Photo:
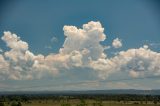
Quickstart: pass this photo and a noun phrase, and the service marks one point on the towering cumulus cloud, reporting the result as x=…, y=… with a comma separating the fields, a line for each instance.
x=81, y=49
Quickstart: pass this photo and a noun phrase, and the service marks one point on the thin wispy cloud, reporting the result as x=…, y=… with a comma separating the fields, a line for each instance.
x=54, y=39
x=1, y=50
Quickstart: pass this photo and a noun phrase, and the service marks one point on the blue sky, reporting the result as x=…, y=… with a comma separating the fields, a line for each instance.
x=134, y=23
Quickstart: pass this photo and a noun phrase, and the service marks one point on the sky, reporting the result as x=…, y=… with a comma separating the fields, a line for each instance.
x=79, y=44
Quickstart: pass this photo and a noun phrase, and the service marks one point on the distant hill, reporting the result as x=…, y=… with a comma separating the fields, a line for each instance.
x=87, y=92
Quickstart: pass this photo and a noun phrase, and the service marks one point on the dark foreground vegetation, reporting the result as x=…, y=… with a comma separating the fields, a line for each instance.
x=79, y=100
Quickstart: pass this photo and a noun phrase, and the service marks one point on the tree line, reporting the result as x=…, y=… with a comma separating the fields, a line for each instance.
x=17, y=100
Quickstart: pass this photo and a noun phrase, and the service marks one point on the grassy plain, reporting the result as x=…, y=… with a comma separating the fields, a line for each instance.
x=74, y=102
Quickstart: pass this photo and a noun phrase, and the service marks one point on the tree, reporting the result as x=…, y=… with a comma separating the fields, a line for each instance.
x=16, y=104
x=65, y=104
x=2, y=104
x=82, y=103
x=155, y=100
x=19, y=104
x=98, y=103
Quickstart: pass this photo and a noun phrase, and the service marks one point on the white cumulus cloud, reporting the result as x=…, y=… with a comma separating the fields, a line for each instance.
x=117, y=43
x=81, y=49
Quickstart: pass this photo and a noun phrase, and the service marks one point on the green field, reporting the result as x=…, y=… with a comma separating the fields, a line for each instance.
x=83, y=103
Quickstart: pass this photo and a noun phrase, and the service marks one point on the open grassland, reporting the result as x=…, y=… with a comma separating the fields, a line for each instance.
x=79, y=100
x=76, y=102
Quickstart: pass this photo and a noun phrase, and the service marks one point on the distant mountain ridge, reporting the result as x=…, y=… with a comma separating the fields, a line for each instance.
x=84, y=92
